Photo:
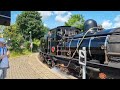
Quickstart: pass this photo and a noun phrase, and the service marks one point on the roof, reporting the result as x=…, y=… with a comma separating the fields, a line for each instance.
x=5, y=17
x=65, y=27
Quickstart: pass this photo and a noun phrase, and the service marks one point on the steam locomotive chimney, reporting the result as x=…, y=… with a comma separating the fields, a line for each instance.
x=90, y=23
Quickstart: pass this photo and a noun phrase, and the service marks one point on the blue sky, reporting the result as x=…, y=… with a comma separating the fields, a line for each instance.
x=52, y=19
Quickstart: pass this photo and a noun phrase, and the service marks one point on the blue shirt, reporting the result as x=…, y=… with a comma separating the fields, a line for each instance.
x=4, y=63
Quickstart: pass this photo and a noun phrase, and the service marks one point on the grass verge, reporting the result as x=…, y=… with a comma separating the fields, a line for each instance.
x=16, y=54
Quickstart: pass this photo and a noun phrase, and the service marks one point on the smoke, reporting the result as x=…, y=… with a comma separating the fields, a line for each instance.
x=55, y=69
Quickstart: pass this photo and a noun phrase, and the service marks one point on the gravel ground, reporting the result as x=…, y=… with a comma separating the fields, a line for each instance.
x=30, y=67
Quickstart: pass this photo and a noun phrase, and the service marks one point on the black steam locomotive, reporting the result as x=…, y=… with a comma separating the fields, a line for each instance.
x=60, y=47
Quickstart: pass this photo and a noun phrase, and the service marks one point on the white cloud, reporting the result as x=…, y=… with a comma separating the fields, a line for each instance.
x=63, y=18
x=59, y=12
x=45, y=25
x=117, y=24
x=117, y=18
x=45, y=14
x=107, y=24
x=117, y=21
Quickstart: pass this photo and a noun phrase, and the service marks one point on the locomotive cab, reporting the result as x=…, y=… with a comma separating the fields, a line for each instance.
x=58, y=36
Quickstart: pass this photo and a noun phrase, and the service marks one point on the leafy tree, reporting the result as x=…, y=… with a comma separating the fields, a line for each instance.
x=10, y=31
x=76, y=20
x=30, y=21
x=12, y=35
x=36, y=42
x=18, y=34
x=45, y=30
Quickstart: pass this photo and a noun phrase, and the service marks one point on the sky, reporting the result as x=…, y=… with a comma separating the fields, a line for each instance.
x=52, y=19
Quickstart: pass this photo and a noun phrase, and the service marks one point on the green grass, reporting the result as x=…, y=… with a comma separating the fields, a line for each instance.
x=16, y=54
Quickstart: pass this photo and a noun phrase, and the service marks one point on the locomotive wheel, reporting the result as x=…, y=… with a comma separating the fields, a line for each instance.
x=42, y=59
x=52, y=63
x=73, y=72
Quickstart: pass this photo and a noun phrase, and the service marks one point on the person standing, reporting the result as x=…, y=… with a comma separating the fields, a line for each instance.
x=4, y=63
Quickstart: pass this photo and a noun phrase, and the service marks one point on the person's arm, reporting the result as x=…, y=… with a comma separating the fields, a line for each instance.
x=2, y=56
x=8, y=54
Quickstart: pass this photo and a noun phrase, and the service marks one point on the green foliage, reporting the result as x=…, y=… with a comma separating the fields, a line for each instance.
x=36, y=43
x=10, y=31
x=30, y=21
x=76, y=21
x=16, y=38
x=27, y=45
x=18, y=35
x=16, y=54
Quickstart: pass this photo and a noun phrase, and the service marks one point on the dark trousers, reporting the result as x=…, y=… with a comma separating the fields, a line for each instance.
x=3, y=73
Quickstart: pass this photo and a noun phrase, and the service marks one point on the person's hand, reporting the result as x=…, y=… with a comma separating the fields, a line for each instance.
x=8, y=54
